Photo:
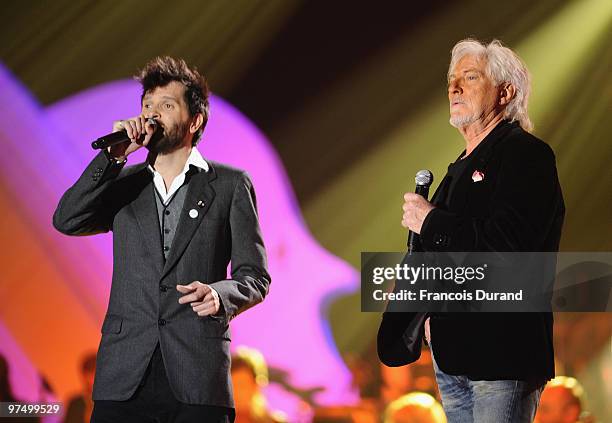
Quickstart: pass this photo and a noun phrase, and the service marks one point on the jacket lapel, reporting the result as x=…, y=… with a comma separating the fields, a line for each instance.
x=442, y=187
x=145, y=209
x=199, y=197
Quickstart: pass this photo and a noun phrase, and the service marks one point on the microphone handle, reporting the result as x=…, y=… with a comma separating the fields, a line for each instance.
x=414, y=241
x=111, y=139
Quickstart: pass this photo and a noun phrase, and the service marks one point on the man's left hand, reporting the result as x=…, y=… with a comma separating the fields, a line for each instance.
x=204, y=300
x=416, y=209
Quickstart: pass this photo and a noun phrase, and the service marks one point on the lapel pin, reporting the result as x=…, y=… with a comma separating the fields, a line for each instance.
x=477, y=176
x=201, y=203
x=193, y=213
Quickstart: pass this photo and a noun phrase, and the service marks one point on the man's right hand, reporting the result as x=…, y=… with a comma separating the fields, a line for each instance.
x=134, y=127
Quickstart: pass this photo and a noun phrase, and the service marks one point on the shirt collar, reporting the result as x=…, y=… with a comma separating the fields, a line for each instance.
x=195, y=159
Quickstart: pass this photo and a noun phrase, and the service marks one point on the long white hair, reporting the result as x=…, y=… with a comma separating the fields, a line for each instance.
x=503, y=65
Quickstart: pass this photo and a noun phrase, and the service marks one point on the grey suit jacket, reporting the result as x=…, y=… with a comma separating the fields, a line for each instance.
x=143, y=308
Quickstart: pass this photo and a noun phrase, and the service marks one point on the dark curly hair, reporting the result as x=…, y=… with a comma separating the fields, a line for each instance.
x=162, y=70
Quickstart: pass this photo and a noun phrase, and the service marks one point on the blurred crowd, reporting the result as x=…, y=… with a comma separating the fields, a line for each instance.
x=388, y=395
x=405, y=394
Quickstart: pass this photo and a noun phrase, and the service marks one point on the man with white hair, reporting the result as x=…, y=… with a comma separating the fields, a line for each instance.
x=501, y=195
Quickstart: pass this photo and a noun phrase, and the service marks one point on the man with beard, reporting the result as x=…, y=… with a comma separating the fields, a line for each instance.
x=177, y=221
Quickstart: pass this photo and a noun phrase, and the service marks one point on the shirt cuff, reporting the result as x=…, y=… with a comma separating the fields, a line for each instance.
x=113, y=161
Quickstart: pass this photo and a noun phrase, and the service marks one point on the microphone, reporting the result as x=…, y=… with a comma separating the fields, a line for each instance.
x=423, y=179
x=119, y=137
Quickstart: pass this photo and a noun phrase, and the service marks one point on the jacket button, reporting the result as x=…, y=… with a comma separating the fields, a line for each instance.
x=163, y=288
x=161, y=322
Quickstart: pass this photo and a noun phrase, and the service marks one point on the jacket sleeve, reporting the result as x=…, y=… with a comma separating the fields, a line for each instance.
x=85, y=209
x=522, y=208
x=250, y=279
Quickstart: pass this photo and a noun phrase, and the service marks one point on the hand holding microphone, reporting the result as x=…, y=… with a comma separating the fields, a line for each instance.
x=416, y=207
x=128, y=136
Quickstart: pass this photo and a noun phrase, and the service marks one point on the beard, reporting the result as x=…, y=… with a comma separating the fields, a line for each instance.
x=171, y=140
x=462, y=120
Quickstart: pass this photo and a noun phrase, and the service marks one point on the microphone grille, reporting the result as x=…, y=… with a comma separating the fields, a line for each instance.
x=424, y=178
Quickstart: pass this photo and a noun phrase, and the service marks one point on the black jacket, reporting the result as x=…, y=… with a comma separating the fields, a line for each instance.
x=517, y=207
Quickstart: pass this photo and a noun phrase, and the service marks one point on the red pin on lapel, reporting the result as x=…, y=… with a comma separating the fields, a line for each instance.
x=477, y=176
